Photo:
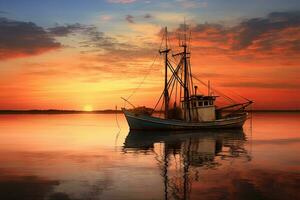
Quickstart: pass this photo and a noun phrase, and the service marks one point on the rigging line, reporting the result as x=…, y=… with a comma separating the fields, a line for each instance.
x=172, y=77
x=180, y=94
x=117, y=122
x=239, y=95
x=168, y=86
x=162, y=94
x=118, y=133
x=172, y=87
x=169, y=41
x=175, y=60
x=174, y=71
x=143, y=80
x=191, y=76
x=174, y=49
x=176, y=93
x=189, y=42
x=222, y=94
x=161, y=107
x=148, y=72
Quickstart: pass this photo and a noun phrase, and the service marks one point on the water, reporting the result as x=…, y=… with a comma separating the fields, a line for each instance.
x=87, y=157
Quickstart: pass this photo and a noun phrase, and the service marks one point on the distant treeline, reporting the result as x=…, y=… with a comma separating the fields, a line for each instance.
x=108, y=111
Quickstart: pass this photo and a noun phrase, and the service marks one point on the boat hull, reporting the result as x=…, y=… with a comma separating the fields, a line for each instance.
x=144, y=122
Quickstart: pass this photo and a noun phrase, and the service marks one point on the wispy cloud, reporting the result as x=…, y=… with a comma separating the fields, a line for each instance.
x=148, y=16
x=64, y=30
x=129, y=19
x=106, y=18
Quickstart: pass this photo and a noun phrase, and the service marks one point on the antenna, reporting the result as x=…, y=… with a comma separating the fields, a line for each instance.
x=184, y=31
x=166, y=32
x=208, y=87
x=183, y=43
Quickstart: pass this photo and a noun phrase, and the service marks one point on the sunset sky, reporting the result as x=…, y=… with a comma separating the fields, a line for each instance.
x=79, y=54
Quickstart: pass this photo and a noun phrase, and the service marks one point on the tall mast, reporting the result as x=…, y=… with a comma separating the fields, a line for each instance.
x=166, y=93
x=186, y=82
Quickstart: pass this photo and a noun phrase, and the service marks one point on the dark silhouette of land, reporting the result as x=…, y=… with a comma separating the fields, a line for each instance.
x=54, y=111
x=107, y=111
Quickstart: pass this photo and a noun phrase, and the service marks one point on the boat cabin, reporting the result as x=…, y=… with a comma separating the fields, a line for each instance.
x=201, y=108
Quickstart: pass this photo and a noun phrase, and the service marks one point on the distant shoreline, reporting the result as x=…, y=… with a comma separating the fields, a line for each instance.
x=53, y=111
x=108, y=111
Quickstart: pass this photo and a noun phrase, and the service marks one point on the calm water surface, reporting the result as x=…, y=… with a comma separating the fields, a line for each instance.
x=87, y=157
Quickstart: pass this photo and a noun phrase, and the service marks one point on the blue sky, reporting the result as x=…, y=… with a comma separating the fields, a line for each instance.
x=49, y=12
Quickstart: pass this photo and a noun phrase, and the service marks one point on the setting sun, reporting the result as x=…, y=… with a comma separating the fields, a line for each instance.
x=88, y=108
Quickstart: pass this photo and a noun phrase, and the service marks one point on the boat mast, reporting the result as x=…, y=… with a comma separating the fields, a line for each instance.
x=166, y=93
x=186, y=82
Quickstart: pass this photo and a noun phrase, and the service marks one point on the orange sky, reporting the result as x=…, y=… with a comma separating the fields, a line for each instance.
x=74, y=66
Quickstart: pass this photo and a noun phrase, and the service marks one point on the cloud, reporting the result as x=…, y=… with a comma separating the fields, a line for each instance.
x=18, y=39
x=253, y=29
x=90, y=31
x=140, y=18
x=66, y=30
x=121, y=1
x=276, y=34
x=129, y=19
x=103, y=56
x=105, y=18
x=118, y=63
x=93, y=38
x=148, y=16
x=97, y=44
x=3, y=12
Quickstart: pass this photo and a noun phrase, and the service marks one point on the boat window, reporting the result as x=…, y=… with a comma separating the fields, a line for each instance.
x=205, y=103
x=200, y=103
x=211, y=102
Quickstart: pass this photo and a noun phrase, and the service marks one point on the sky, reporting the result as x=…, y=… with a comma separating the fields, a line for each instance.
x=86, y=54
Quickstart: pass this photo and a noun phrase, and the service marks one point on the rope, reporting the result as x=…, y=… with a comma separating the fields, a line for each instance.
x=220, y=93
x=144, y=78
x=118, y=133
x=239, y=95
x=163, y=93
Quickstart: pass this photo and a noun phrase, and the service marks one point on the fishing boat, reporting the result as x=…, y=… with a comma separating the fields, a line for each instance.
x=183, y=107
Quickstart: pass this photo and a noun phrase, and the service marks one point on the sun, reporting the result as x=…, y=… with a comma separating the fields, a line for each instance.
x=88, y=108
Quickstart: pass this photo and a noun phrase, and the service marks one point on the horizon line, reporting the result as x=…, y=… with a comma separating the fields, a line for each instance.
x=73, y=111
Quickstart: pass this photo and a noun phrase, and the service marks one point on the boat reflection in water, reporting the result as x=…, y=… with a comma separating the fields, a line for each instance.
x=182, y=156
